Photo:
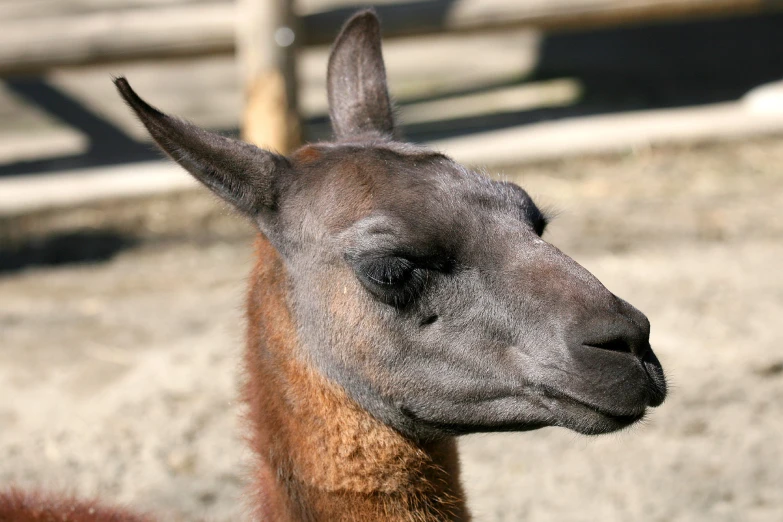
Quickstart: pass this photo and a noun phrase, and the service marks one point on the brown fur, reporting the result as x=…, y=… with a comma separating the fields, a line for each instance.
x=25, y=506
x=307, y=154
x=320, y=456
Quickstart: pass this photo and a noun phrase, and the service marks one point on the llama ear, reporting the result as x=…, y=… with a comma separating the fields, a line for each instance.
x=242, y=174
x=359, y=101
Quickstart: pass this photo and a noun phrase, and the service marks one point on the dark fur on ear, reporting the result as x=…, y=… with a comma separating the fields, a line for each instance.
x=244, y=175
x=359, y=103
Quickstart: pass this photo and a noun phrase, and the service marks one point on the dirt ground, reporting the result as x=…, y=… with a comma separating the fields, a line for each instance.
x=119, y=377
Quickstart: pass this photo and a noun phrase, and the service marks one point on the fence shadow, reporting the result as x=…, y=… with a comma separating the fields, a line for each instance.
x=660, y=65
x=85, y=246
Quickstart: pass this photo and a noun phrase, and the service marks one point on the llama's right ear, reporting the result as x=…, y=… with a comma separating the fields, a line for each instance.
x=359, y=103
x=242, y=174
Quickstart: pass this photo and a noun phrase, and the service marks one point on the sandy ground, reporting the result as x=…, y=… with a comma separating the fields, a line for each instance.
x=118, y=378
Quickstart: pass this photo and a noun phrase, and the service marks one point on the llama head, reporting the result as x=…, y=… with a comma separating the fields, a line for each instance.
x=423, y=288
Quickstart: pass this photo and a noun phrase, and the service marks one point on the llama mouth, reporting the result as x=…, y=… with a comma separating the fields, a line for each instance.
x=657, y=388
x=628, y=418
x=465, y=428
x=595, y=420
x=625, y=402
x=564, y=410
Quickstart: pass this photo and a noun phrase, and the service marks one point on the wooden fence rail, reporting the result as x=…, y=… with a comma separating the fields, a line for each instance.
x=34, y=45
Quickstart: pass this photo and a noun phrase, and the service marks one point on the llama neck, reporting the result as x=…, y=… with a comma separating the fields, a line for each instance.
x=319, y=455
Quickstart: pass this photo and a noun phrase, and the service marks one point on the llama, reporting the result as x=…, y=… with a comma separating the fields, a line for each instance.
x=398, y=300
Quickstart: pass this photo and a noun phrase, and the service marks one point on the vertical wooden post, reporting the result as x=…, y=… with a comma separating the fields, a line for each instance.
x=266, y=32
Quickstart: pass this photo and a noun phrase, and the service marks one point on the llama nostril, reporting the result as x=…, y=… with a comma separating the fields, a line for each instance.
x=429, y=320
x=638, y=347
x=614, y=345
x=624, y=330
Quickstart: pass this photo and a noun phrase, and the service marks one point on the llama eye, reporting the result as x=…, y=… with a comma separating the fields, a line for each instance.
x=390, y=271
x=540, y=225
x=393, y=280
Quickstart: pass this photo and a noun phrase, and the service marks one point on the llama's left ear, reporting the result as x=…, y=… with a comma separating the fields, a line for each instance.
x=249, y=178
x=359, y=103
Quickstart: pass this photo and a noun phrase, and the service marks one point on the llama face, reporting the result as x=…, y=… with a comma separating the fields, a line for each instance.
x=430, y=296
x=423, y=288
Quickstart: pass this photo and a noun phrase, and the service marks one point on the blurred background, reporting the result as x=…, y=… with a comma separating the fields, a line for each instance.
x=653, y=128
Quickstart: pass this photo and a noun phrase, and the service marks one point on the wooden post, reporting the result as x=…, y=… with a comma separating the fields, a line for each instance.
x=266, y=39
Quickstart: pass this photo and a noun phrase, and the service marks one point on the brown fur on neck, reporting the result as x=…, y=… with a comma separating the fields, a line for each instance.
x=319, y=455
x=33, y=506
